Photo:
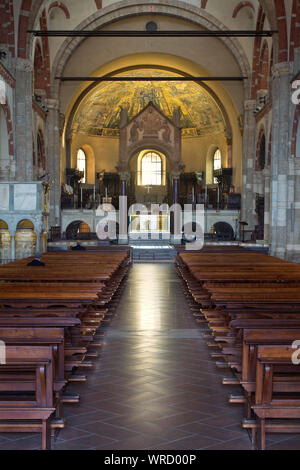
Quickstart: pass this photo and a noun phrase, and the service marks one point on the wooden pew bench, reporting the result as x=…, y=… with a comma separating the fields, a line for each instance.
x=53, y=337
x=270, y=405
x=33, y=414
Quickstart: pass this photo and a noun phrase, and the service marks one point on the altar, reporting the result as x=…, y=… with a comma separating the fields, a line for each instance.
x=149, y=223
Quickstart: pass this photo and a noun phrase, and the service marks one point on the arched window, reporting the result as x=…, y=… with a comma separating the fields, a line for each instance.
x=217, y=163
x=151, y=169
x=81, y=163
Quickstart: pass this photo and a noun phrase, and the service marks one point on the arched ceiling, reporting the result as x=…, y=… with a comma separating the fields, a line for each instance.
x=99, y=112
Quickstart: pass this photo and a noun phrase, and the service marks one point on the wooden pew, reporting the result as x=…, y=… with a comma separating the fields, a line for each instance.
x=254, y=301
x=53, y=337
x=268, y=404
x=36, y=410
x=33, y=303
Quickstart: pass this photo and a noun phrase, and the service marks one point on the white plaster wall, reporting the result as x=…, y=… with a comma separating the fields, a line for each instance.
x=220, y=9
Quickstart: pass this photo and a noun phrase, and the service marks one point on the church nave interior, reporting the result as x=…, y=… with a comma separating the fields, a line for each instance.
x=149, y=225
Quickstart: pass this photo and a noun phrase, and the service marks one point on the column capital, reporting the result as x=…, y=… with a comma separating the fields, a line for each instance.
x=282, y=69
x=250, y=105
x=23, y=65
x=52, y=104
x=124, y=176
x=267, y=172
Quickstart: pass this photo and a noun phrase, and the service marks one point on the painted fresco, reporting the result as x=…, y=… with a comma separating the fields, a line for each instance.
x=99, y=112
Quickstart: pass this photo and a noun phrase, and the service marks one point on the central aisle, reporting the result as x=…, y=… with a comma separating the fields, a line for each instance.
x=154, y=385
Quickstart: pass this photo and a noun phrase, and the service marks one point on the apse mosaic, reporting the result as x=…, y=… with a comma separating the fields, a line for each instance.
x=99, y=112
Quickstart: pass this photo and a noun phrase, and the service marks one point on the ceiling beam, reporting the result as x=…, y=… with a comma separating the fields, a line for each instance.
x=153, y=34
x=151, y=79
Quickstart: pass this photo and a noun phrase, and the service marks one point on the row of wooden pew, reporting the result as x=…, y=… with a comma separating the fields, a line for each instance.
x=250, y=304
x=51, y=323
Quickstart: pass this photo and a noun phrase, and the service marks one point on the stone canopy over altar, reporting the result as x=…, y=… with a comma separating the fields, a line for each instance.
x=150, y=160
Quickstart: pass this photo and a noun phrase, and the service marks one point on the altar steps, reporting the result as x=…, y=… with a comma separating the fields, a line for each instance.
x=153, y=251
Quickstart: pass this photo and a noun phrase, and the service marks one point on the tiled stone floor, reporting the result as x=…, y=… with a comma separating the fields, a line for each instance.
x=155, y=385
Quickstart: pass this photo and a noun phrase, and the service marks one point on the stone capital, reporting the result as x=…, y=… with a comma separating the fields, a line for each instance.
x=250, y=105
x=124, y=176
x=282, y=69
x=266, y=172
x=23, y=65
x=52, y=104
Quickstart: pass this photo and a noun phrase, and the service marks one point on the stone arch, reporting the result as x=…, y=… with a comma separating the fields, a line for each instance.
x=272, y=17
x=62, y=7
x=158, y=147
x=149, y=144
x=5, y=242
x=69, y=121
x=240, y=6
x=25, y=238
x=90, y=161
x=140, y=157
x=130, y=8
x=29, y=11
x=216, y=220
x=224, y=231
x=73, y=229
x=3, y=225
x=26, y=223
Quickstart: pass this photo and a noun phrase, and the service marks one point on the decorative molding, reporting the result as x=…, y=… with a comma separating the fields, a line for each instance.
x=62, y=6
x=240, y=6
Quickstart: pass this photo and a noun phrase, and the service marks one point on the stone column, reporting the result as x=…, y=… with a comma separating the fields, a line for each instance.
x=53, y=159
x=266, y=173
x=23, y=122
x=175, y=190
x=123, y=188
x=12, y=246
x=248, y=197
x=280, y=223
x=123, y=210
